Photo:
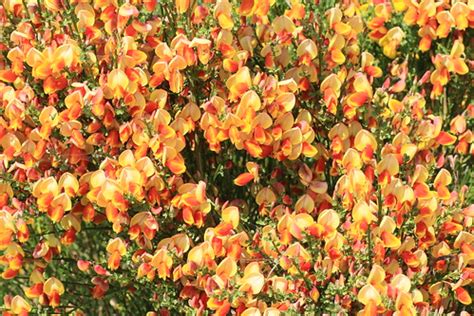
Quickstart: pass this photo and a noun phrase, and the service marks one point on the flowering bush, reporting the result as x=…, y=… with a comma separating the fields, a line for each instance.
x=236, y=157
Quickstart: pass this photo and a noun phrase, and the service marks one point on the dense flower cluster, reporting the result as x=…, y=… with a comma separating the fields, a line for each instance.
x=236, y=157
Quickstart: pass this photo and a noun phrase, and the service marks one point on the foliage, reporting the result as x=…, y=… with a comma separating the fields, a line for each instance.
x=236, y=157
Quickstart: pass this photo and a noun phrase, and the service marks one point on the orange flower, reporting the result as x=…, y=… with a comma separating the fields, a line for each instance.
x=295, y=259
x=307, y=51
x=162, y=261
x=145, y=223
x=182, y=6
x=363, y=215
x=362, y=93
x=293, y=226
x=386, y=233
x=239, y=83
x=20, y=306
x=365, y=143
x=117, y=82
x=53, y=288
x=446, y=64
x=335, y=54
x=253, y=280
x=223, y=14
x=199, y=256
x=231, y=215
x=442, y=180
x=330, y=87
x=117, y=249
x=335, y=21
x=265, y=196
x=203, y=49
x=370, y=298
x=13, y=260
x=390, y=41
x=7, y=229
x=193, y=202
x=463, y=296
